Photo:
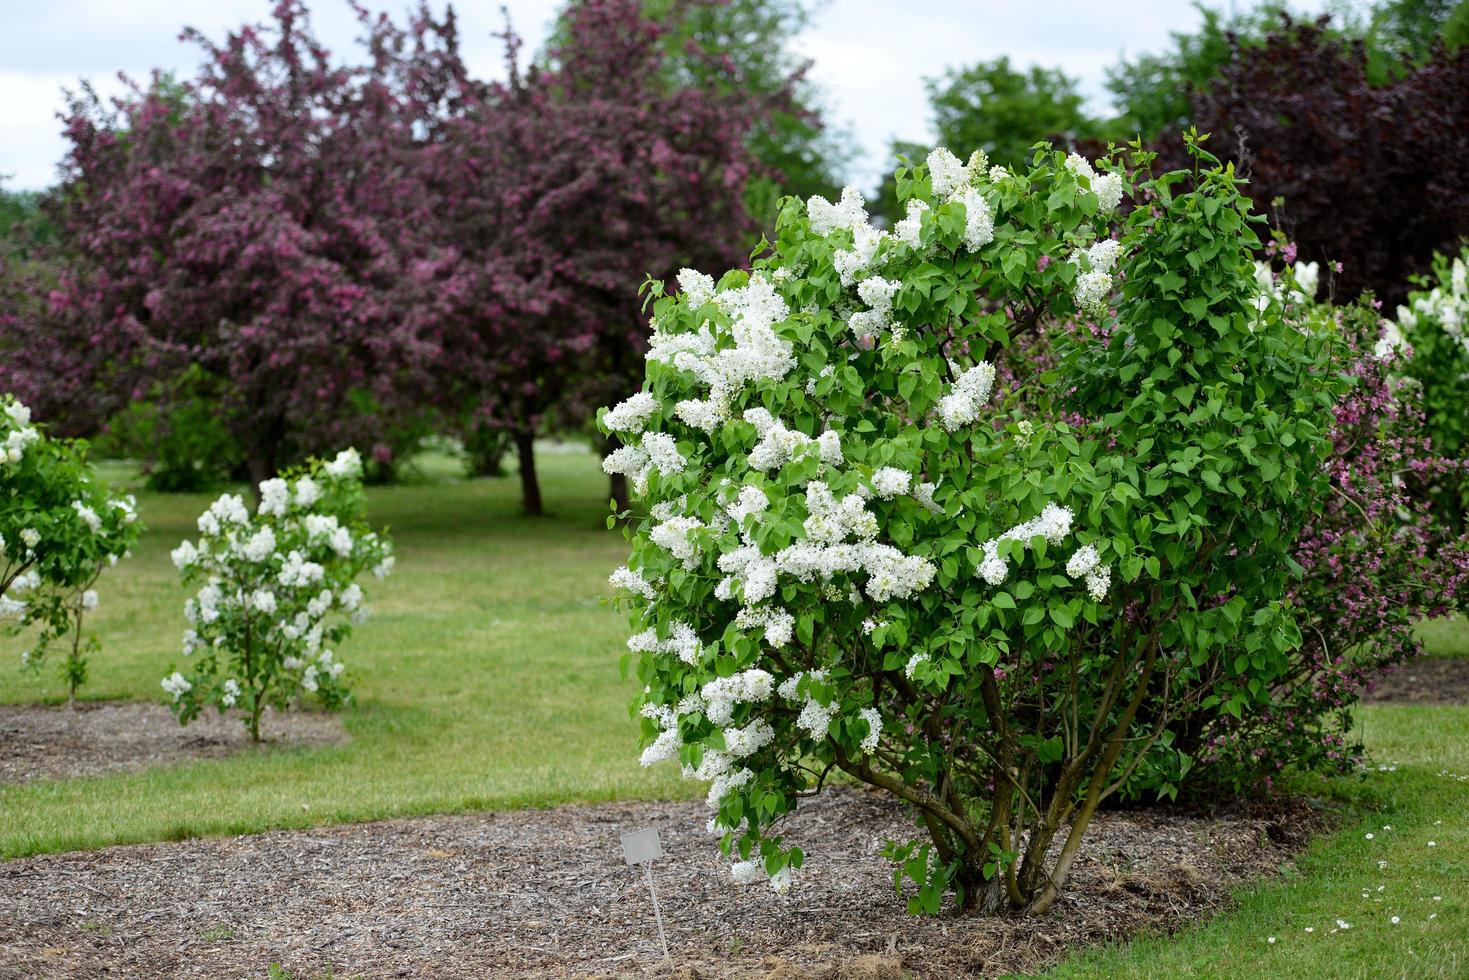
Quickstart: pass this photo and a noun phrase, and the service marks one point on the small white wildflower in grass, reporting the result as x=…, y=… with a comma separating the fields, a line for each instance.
x=1343, y=924
x=1368, y=836
x=1310, y=929
x=1271, y=940
x=1433, y=843
x=1395, y=920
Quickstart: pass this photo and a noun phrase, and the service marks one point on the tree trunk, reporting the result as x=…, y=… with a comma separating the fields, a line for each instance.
x=261, y=466
x=530, y=487
x=619, y=492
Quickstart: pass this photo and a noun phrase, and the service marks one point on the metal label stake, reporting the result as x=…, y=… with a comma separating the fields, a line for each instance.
x=642, y=847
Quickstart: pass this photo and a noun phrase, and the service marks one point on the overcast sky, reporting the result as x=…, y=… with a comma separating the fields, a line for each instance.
x=870, y=56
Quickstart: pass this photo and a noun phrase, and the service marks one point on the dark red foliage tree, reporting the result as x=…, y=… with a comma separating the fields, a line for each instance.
x=1376, y=178
x=246, y=223
x=553, y=193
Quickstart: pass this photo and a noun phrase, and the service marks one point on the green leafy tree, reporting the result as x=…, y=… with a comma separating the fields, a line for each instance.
x=1001, y=110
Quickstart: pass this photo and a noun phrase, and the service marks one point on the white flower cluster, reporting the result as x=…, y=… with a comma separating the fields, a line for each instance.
x=1107, y=187
x=682, y=642
x=1093, y=285
x=630, y=415
x=1053, y=524
x=956, y=182
x=970, y=391
x=1307, y=276
x=757, y=352
x=18, y=432
x=1087, y=564
x=274, y=580
x=1446, y=304
x=779, y=445
x=657, y=451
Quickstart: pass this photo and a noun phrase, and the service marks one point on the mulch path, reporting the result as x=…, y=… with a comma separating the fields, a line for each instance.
x=96, y=737
x=1424, y=680
x=544, y=893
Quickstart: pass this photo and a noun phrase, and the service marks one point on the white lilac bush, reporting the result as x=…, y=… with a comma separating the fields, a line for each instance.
x=861, y=555
x=1433, y=328
x=278, y=593
x=60, y=527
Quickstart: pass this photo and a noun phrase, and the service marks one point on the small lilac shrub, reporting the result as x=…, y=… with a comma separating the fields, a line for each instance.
x=60, y=528
x=278, y=593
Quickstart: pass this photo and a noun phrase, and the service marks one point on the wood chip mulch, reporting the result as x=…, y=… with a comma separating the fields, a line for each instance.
x=1423, y=680
x=97, y=737
x=545, y=893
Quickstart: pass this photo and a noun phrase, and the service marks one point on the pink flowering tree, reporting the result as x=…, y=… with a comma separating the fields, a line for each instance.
x=554, y=194
x=861, y=555
x=246, y=222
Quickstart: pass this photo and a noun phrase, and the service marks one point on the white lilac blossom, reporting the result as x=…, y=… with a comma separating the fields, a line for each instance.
x=1053, y=523
x=346, y=466
x=1390, y=341
x=631, y=580
x=889, y=482
x=88, y=515
x=1082, y=562
x=874, y=729
x=946, y=174
x=866, y=241
x=697, y=288
x=1107, y=187
x=701, y=413
x=630, y=415
x=758, y=353
x=909, y=230
x=673, y=535
x=979, y=224
x=970, y=391
x=176, y=685
x=848, y=214
x=723, y=694
x=1446, y=304
x=1306, y=277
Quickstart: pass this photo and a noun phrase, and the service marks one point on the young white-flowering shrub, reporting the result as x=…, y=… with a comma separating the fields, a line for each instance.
x=278, y=593
x=1433, y=326
x=60, y=528
x=858, y=555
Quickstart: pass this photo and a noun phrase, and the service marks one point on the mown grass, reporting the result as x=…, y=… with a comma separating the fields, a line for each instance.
x=1421, y=798
x=486, y=678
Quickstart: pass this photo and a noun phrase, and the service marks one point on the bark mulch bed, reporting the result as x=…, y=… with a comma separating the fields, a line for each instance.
x=544, y=893
x=1424, y=680
x=96, y=737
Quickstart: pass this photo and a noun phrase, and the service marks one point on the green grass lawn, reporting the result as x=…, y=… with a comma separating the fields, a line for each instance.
x=486, y=678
